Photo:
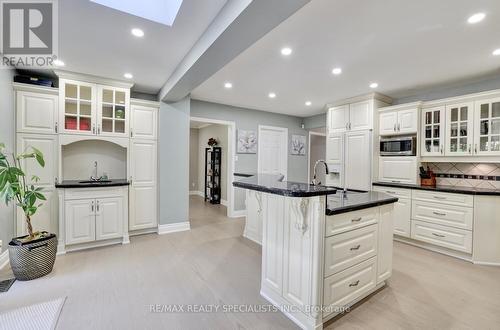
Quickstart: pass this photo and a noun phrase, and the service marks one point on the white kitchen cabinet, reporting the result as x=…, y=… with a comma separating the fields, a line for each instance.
x=335, y=148
x=361, y=115
x=385, y=229
x=487, y=127
x=77, y=104
x=448, y=237
x=358, y=157
x=143, y=188
x=388, y=123
x=47, y=144
x=144, y=121
x=459, y=129
x=433, y=131
x=408, y=121
x=338, y=119
x=272, y=242
x=402, y=209
x=113, y=104
x=80, y=221
x=36, y=110
x=253, y=220
x=398, y=169
x=108, y=218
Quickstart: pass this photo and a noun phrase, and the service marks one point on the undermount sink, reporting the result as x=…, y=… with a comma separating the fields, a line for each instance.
x=95, y=182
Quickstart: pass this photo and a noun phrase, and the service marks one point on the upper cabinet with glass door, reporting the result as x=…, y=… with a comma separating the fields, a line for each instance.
x=459, y=129
x=487, y=127
x=77, y=104
x=433, y=131
x=113, y=111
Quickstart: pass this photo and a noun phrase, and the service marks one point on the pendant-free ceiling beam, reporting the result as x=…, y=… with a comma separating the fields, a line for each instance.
x=239, y=24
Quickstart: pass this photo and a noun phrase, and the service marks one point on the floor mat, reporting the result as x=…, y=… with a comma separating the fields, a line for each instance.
x=42, y=316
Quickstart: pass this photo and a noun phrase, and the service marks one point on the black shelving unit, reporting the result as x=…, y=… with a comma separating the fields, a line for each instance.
x=213, y=160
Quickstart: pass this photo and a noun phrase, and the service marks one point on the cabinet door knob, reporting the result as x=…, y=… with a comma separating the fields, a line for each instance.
x=440, y=214
x=354, y=248
x=475, y=148
x=97, y=206
x=131, y=133
x=438, y=235
x=399, y=127
x=470, y=149
x=93, y=128
x=394, y=127
x=55, y=127
x=356, y=220
x=92, y=206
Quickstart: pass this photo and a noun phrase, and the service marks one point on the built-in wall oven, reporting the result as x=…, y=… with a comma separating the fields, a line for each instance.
x=398, y=146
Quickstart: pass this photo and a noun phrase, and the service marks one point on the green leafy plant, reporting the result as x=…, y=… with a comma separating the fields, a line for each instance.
x=15, y=187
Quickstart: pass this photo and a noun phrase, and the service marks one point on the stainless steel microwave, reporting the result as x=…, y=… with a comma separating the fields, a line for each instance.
x=398, y=146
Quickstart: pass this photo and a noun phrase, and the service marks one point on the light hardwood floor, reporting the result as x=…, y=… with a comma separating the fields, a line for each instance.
x=113, y=287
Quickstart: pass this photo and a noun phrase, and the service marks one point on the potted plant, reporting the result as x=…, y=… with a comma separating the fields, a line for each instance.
x=33, y=255
x=212, y=142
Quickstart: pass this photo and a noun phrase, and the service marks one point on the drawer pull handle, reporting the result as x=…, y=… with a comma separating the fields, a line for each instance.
x=356, y=220
x=356, y=247
x=439, y=197
x=440, y=214
x=390, y=192
x=438, y=235
x=354, y=284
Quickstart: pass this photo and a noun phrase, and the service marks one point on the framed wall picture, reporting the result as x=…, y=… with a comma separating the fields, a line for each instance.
x=247, y=142
x=298, y=145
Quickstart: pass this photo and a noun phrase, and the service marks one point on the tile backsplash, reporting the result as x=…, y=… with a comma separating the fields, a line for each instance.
x=480, y=175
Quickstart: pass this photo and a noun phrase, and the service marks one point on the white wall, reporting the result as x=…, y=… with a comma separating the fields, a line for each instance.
x=193, y=160
x=7, y=136
x=78, y=160
x=220, y=133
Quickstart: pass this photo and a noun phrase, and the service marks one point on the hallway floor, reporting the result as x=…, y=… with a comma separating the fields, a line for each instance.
x=114, y=287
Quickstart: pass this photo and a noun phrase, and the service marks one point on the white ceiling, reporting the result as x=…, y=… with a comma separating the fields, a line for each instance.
x=96, y=40
x=402, y=45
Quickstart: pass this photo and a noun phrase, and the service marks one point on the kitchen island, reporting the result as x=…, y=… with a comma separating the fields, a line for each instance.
x=322, y=250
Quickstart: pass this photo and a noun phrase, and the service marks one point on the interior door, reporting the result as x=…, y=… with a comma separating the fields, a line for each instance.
x=358, y=160
x=273, y=150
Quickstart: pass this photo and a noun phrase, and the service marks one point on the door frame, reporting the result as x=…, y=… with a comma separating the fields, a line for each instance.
x=311, y=133
x=284, y=142
x=231, y=151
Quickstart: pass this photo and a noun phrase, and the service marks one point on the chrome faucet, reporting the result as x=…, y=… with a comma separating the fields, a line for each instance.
x=314, y=180
x=95, y=178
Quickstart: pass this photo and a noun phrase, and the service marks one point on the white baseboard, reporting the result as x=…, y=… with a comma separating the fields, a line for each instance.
x=173, y=227
x=197, y=193
x=238, y=214
x=4, y=259
x=223, y=202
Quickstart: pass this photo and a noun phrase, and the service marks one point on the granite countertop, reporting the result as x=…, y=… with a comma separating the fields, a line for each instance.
x=353, y=201
x=93, y=184
x=274, y=184
x=442, y=188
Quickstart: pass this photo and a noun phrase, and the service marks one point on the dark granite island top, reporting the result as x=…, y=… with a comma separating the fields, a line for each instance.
x=274, y=184
x=92, y=184
x=443, y=188
x=353, y=201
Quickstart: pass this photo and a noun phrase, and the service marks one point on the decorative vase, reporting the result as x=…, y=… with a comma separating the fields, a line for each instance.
x=32, y=259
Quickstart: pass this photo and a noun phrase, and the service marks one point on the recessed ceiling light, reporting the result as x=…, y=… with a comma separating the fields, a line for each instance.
x=128, y=75
x=272, y=95
x=476, y=18
x=337, y=71
x=373, y=85
x=496, y=52
x=308, y=103
x=137, y=32
x=286, y=51
x=58, y=62
x=228, y=85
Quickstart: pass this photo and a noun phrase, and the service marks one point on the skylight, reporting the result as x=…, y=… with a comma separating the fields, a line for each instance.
x=160, y=11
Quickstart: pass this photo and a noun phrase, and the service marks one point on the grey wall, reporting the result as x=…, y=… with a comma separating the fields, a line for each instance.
x=249, y=119
x=457, y=89
x=318, y=151
x=173, y=155
x=7, y=136
x=193, y=159
x=315, y=121
x=220, y=133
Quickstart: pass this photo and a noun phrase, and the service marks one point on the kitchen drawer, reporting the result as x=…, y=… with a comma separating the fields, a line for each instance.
x=448, y=237
x=336, y=224
x=395, y=192
x=343, y=288
x=445, y=198
x=347, y=249
x=101, y=192
x=443, y=214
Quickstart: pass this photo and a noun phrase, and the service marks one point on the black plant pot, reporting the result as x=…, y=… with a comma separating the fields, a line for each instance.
x=32, y=259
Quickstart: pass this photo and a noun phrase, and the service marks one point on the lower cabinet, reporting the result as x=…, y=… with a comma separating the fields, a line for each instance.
x=398, y=169
x=92, y=214
x=402, y=209
x=253, y=221
x=448, y=237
